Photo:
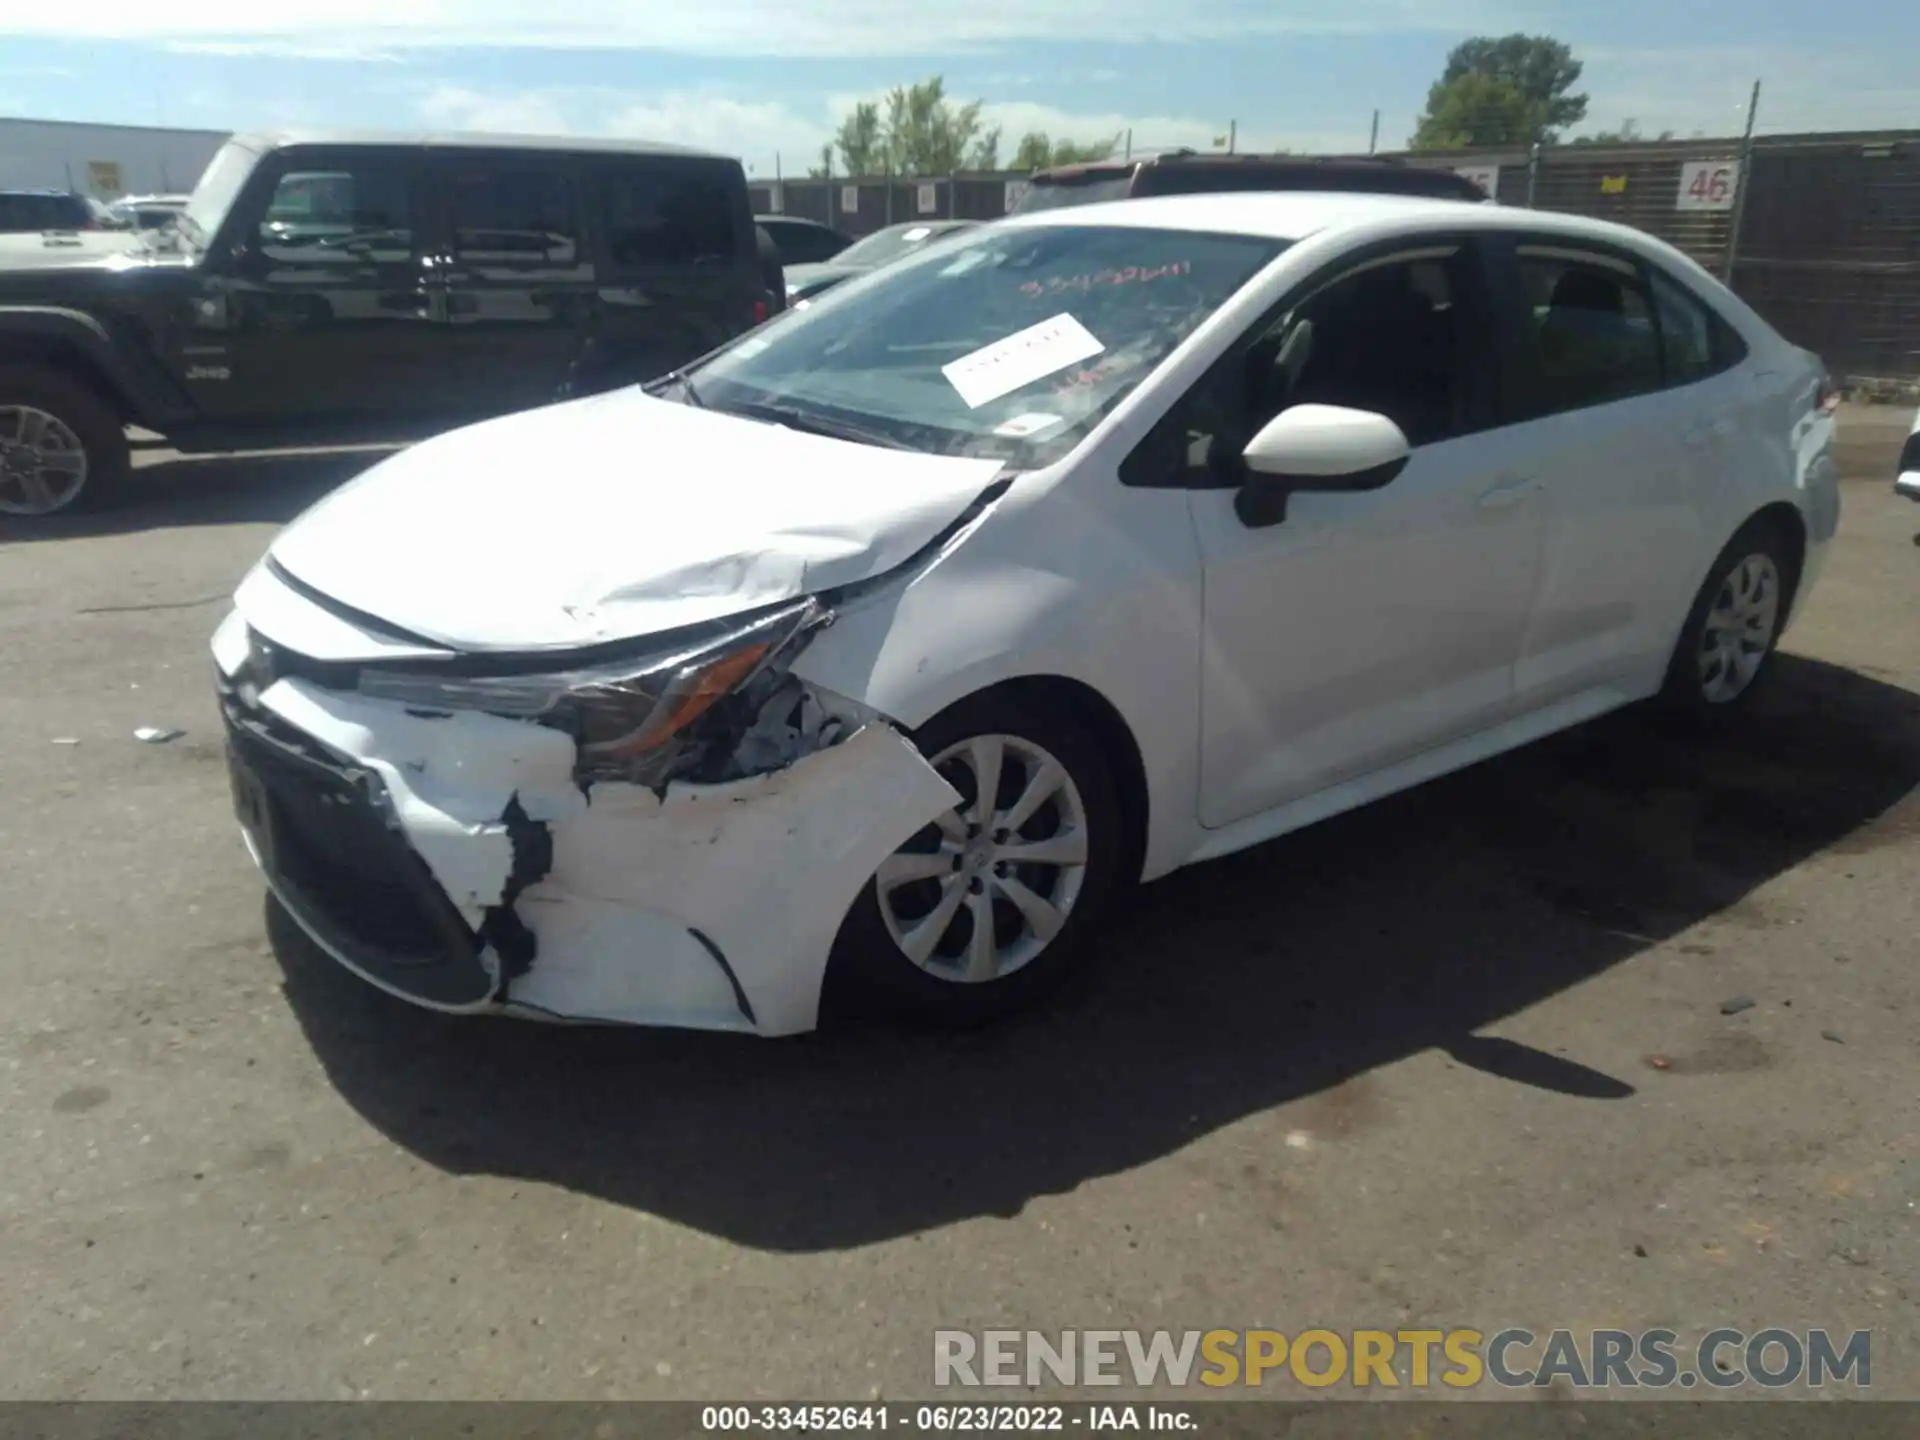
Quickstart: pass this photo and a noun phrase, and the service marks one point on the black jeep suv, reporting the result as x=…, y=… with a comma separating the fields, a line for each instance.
x=331, y=287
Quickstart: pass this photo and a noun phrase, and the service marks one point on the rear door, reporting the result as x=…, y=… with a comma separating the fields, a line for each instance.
x=1625, y=445
x=678, y=264
x=518, y=273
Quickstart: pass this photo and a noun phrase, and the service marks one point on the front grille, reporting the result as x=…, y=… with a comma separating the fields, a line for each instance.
x=337, y=855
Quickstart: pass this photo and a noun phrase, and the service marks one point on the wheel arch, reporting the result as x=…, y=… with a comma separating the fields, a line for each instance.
x=1109, y=729
x=61, y=353
x=1785, y=520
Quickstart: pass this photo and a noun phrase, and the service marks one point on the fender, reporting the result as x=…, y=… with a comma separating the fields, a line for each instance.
x=147, y=393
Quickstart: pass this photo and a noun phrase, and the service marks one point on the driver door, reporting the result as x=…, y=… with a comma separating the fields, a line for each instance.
x=1365, y=626
x=327, y=309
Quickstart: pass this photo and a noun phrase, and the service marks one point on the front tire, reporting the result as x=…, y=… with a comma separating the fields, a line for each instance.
x=1731, y=632
x=62, y=448
x=985, y=911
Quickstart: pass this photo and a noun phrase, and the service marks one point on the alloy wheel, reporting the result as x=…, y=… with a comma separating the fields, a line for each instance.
x=982, y=891
x=1740, y=628
x=43, y=465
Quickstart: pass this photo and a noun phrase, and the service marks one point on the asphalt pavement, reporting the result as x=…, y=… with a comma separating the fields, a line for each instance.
x=1475, y=1056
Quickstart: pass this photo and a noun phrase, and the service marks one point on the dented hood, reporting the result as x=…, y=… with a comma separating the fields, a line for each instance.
x=615, y=517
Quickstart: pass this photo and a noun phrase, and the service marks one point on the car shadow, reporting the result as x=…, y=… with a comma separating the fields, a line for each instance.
x=1282, y=974
x=171, y=490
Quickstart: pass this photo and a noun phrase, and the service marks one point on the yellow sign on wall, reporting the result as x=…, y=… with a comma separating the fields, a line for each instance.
x=103, y=179
x=1613, y=184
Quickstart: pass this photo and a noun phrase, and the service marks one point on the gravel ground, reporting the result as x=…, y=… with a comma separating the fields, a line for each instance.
x=1463, y=1058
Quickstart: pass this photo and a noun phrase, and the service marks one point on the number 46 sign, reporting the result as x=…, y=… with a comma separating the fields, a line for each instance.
x=1708, y=185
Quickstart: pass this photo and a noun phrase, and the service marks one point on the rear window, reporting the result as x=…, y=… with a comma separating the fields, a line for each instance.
x=673, y=214
x=1090, y=190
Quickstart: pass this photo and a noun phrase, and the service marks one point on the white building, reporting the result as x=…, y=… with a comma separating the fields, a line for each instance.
x=105, y=161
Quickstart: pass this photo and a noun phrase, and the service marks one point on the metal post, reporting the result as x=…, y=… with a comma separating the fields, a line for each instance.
x=1533, y=172
x=1740, y=194
x=1233, y=134
x=779, y=187
x=1373, y=140
x=1129, y=142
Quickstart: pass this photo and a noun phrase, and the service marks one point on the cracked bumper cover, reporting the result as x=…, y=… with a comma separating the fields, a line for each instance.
x=452, y=861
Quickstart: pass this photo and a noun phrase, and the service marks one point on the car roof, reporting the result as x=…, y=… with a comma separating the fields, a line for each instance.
x=1296, y=214
x=790, y=220
x=266, y=140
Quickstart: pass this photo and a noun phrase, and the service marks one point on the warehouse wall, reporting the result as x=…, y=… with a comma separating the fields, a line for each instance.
x=102, y=160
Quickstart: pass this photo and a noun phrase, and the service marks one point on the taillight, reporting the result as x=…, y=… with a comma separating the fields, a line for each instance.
x=759, y=312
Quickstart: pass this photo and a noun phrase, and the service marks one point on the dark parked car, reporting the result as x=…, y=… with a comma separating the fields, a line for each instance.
x=328, y=287
x=802, y=242
x=31, y=212
x=1187, y=172
x=882, y=247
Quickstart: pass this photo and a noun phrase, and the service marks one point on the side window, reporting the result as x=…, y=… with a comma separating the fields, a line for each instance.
x=669, y=215
x=351, y=216
x=515, y=218
x=815, y=246
x=1399, y=336
x=1592, y=329
x=1693, y=340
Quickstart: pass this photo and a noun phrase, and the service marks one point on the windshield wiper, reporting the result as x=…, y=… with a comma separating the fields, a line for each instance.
x=683, y=380
x=817, y=425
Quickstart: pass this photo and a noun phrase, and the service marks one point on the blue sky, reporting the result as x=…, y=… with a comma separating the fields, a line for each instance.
x=762, y=79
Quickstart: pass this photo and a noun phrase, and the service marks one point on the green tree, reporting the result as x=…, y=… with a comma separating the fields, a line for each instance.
x=1475, y=111
x=1038, y=150
x=1629, y=133
x=859, y=142
x=824, y=170
x=916, y=130
x=1538, y=69
x=927, y=134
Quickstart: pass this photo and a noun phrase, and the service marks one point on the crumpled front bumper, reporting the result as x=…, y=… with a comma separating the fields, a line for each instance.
x=453, y=861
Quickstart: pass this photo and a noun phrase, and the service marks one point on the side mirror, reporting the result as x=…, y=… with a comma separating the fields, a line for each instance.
x=1317, y=447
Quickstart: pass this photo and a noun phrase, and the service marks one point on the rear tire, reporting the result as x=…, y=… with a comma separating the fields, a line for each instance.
x=63, y=449
x=1730, y=633
x=1039, y=879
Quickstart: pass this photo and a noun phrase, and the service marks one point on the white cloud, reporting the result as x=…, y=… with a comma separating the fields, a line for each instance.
x=1707, y=89
x=760, y=130
x=287, y=50
x=732, y=27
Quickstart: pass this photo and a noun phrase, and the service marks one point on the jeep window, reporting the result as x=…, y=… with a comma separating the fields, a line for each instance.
x=219, y=184
x=671, y=214
x=317, y=216
x=515, y=217
x=913, y=355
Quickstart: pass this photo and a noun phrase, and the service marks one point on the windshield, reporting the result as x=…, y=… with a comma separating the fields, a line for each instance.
x=889, y=244
x=1052, y=194
x=219, y=183
x=1008, y=343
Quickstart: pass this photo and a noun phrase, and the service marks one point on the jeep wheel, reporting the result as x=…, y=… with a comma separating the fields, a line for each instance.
x=61, y=446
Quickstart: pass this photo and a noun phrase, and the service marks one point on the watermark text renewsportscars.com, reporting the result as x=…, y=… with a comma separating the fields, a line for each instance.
x=1441, y=1360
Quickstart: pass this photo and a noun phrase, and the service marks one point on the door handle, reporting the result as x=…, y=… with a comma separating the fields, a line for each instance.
x=1509, y=493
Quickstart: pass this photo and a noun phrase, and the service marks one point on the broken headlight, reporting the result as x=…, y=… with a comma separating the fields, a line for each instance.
x=637, y=719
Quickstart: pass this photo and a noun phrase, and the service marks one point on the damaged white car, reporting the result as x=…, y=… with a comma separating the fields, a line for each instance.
x=875, y=652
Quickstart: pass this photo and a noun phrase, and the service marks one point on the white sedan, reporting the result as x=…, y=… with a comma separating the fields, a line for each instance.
x=873, y=654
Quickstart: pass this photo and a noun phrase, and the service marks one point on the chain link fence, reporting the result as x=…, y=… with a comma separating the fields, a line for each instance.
x=1824, y=242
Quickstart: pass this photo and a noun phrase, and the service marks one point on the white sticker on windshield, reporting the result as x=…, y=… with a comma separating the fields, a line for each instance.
x=1025, y=427
x=919, y=232
x=747, y=349
x=1022, y=358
